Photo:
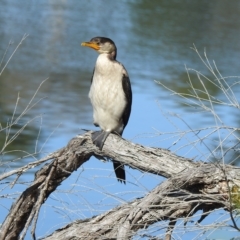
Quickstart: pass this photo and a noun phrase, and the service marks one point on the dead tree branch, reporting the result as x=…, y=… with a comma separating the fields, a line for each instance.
x=178, y=197
x=190, y=187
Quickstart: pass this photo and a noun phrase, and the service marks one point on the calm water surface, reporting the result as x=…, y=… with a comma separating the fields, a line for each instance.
x=153, y=39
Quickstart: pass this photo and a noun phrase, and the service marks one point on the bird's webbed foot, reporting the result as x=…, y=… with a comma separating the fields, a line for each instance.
x=99, y=137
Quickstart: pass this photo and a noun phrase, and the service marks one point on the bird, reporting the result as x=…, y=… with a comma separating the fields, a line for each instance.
x=110, y=95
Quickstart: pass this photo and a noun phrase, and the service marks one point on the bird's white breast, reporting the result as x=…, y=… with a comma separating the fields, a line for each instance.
x=107, y=95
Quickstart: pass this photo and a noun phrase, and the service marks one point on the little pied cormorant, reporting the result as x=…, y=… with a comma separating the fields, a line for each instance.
x=110, y=95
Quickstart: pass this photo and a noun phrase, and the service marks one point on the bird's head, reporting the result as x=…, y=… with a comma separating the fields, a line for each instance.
x=102, y=45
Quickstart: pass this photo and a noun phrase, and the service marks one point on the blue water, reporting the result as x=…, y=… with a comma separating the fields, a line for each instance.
x=154, y=41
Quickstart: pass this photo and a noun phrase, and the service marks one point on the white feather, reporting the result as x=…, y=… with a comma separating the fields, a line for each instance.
x=107, y=95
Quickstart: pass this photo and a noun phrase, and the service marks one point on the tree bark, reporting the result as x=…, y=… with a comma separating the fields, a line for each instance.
x=190, y=186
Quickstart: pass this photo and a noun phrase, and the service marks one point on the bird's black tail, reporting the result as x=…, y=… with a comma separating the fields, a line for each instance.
x=119, y=171
x=98, y=139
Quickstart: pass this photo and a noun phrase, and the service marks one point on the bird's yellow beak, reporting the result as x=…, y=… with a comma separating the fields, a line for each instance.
x=91, y=45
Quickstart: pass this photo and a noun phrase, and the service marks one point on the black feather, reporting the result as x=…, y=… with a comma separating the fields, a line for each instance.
x=128, y=94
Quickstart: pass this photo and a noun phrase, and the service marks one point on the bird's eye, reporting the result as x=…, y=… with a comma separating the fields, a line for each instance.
x=97, y=42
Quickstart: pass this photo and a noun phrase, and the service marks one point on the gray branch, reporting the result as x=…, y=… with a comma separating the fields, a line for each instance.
x=190, y=186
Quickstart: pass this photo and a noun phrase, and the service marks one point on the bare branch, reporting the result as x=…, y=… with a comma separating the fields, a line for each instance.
x=185, y=192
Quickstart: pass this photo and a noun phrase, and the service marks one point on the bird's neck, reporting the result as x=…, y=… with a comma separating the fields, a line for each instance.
x=113, y=55
x=105, y=66
x=103, y=63
x=106, y=58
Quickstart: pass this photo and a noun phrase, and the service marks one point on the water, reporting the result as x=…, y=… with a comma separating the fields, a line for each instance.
x=153, y=39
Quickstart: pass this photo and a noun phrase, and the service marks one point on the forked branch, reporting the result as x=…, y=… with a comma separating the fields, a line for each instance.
x=190, y=187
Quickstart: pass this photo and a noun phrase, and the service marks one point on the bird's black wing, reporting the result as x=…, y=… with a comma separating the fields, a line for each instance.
x=128, y=94
x=126, y=85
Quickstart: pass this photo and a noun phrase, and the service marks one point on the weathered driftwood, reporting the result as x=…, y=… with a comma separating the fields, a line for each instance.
x=190, y=186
